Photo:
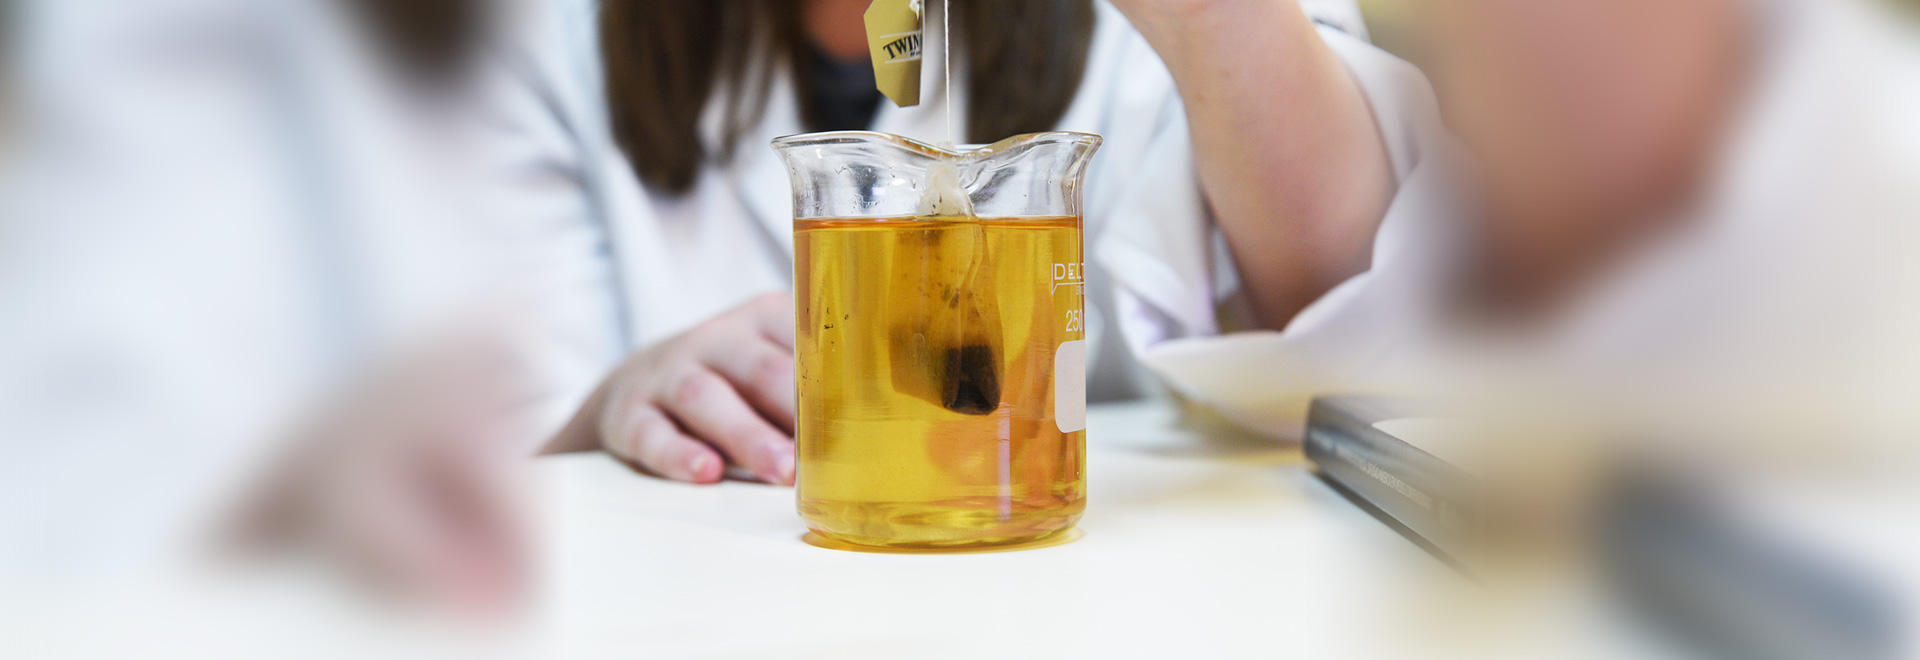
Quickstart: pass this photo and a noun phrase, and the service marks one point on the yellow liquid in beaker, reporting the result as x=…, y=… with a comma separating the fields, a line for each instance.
x=926, y=358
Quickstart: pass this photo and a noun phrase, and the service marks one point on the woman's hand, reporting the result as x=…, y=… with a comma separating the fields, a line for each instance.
x=684, y=408
x=1288, y=153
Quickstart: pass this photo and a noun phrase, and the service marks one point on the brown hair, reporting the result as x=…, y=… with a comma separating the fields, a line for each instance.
x=429, y=40
x=664, y=58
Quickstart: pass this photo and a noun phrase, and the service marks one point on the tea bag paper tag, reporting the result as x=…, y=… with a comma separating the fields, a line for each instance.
x=894, y=37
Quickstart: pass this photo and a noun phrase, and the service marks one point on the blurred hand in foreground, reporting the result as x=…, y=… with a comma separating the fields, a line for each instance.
x=416, y=483
x=684, y=408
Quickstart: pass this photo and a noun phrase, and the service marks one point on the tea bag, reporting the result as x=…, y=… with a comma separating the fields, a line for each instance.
x=945, y=337
x=946, y=332
x=952, y=335
x=972, y=383
x=946, y=195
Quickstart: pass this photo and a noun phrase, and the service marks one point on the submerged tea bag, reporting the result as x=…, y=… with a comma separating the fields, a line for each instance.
x=894, y=37
x=945, y=331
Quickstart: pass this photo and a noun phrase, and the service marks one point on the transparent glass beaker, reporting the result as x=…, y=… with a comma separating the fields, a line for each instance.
x=940, y=340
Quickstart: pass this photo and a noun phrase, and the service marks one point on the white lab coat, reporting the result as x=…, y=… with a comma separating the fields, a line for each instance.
x=1812, y=206
x=669, y=262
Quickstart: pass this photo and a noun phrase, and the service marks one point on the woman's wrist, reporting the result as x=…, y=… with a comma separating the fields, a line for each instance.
x=1201, y=33
x=1164, y=10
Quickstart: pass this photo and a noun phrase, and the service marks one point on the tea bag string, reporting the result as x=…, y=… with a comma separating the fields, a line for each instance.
x=946, y=61
x=945, y=195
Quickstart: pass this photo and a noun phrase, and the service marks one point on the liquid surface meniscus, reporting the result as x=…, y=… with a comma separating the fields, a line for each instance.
x=926, y=351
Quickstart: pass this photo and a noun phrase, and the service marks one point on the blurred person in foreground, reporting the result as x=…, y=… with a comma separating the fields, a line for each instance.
x=1701, y=209
x=1673, y=237
x=651, y=121
x=243, y=276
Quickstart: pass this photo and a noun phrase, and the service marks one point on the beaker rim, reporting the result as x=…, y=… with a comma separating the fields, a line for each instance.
x=866, y=137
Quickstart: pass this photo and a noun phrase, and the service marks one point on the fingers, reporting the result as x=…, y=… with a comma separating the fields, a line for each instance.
x=762, y=372
x=724, y=388
x=639, y=432
x=392, y=520
x=476, y=500
x=486, y=492
x=709, y=407
x=773, y=317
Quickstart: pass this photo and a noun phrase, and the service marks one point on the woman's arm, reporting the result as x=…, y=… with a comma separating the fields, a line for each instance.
x=1288, y=152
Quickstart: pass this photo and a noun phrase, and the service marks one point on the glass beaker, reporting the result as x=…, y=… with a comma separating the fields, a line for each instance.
x=940, y=344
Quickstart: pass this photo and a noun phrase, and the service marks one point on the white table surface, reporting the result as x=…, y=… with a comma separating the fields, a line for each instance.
x=1193, y=545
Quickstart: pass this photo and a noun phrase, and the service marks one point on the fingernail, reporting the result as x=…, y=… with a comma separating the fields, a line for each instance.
x=698, y=467
x=783, y=467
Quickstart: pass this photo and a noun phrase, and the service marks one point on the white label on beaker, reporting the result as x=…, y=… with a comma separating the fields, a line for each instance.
x=1070, y=386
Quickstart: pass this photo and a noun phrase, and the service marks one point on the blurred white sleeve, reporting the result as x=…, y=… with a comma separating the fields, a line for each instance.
x=1179, y=300
x=538, y=195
